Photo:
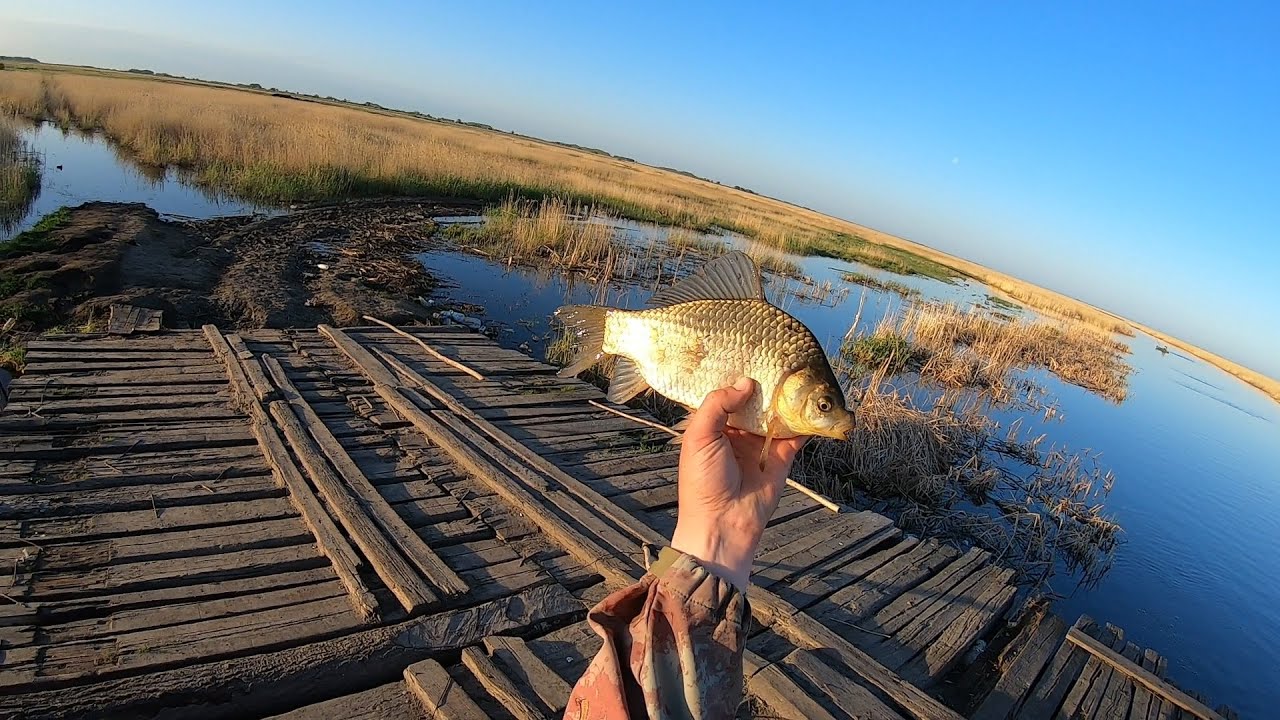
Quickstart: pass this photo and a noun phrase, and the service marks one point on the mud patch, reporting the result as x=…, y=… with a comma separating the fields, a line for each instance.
x=327, y=264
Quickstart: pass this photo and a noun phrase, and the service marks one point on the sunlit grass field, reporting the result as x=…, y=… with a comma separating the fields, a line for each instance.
x=266, y=147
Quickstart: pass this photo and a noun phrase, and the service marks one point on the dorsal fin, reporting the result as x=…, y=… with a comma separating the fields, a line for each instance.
x=732, y=276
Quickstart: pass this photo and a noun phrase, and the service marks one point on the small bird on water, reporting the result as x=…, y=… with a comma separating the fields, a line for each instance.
x=706, y=332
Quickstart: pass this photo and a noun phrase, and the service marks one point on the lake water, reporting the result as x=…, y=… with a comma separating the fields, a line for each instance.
x=1194, y=450
x=94, y=170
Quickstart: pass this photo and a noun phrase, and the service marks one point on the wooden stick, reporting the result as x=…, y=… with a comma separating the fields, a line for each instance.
x=409, y=543
x=1141, y=675
x=346, y=563
x=447, y=361
x=659, y=426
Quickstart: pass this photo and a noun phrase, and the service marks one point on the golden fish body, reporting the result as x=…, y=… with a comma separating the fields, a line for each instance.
x=693, y=344
x=688, y=350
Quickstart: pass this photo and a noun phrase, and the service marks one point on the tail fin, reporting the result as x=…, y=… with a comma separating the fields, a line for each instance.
x=586, y=324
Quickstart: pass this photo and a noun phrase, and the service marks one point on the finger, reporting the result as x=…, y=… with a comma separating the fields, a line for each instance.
x=709, y=421
x=787, y=449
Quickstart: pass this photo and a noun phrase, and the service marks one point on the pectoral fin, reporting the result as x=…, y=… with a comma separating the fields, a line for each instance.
x=627, y=381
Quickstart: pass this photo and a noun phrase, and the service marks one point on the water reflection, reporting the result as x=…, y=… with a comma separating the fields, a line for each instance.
x=1193, y=450
x=79, y=168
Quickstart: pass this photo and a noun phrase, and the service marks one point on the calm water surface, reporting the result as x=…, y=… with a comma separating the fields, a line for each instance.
x=1195, y=451
x=93, y=170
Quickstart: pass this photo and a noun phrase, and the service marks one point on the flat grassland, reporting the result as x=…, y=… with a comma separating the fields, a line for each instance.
x=276, y=146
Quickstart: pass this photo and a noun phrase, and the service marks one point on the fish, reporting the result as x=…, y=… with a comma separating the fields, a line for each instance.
x=706, y=332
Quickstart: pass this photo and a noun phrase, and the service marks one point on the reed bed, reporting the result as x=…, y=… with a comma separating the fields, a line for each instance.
x=555, y=231
x=875, y=283
x=942, y=468
x=971, y=348
x=20, y=171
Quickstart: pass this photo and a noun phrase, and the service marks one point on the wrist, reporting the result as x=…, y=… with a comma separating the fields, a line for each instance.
x=726, y=557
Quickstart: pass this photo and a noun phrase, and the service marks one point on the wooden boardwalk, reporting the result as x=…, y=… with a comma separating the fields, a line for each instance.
x=334, y=523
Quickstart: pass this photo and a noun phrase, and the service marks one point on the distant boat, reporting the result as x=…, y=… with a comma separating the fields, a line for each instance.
x=1163, y=349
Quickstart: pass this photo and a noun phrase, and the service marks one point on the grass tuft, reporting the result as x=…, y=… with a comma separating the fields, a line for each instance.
x=875, y=283
x=34, y=240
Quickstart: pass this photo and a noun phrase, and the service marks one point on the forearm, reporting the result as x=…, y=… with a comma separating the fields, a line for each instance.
x=672, y=647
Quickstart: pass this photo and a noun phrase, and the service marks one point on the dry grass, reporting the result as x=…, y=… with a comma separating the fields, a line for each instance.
x=974, y=349
x=948, y=471
x=551, y=231
x=19, y=174
x=277, y=149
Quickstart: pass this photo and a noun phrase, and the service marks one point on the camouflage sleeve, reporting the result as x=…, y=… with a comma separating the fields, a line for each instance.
x=672, y=647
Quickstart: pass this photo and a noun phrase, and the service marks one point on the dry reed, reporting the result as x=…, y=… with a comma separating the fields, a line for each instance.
x=948, y=471
x=20, y=170
x=971, y=348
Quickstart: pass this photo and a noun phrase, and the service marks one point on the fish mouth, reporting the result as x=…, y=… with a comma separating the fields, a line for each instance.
x=841, y=430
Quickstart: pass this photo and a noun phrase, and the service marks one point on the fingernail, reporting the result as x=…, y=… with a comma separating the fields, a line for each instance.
x=744, y=383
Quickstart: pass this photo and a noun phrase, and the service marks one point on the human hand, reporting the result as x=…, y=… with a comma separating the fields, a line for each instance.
x=726, y=498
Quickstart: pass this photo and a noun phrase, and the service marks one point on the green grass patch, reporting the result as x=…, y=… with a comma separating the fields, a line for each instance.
x=37, y=238
x=871, y=352
x=876, y=283
x=1002, y=303
x=844, y=246
x=12, y=357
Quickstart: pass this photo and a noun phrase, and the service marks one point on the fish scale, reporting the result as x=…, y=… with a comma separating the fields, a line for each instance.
x=705, y=333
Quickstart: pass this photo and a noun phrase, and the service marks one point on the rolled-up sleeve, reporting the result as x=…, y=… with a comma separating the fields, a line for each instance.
x=672, y=647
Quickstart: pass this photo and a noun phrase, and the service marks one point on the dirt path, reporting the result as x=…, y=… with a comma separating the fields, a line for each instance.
x=328, y=264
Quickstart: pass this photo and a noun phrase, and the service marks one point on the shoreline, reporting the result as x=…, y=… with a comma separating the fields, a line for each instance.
x=824, y=229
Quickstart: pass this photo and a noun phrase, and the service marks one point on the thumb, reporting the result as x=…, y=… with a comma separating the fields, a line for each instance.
x=709, y=421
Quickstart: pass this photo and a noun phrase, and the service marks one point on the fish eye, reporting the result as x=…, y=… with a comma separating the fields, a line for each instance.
x=825, y=404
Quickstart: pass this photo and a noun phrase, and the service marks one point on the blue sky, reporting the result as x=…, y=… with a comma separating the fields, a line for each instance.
x=1123, y=153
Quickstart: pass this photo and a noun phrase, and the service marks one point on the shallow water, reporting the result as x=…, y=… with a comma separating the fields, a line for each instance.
x=1194, y=450
x=93, y=170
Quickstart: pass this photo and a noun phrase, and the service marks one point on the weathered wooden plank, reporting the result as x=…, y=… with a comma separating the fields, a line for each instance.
x=171, y=342
x=143, y=521
x=922, y=601
x=839, y=572
x=1144, y=703
x=111, y=442
x=385, y=702
x=123, y=499
x=784, y=698
x=439, y=694
x=403, y=580
x=280, y=680
x=166, y=545
x=1108, y=656
x=212, y=639
x=1118, y=696
x=955, y=628
x=374, y=504
x=70, y=480
x=194, y=610
x=184, y=375
x=49, y=408
x=843, y=694
x=508, y=578
x=477, y=554
x=1022, y=663
x=262, y=388
x=142, y=364
x=1087, y=690
x=1057, y=679
x=131, y=577
x=889, y=581
x=217, y=410
x=567, y=650
x=500, y=686
x=529, y=670
x=48, y=613
x=797, y=556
